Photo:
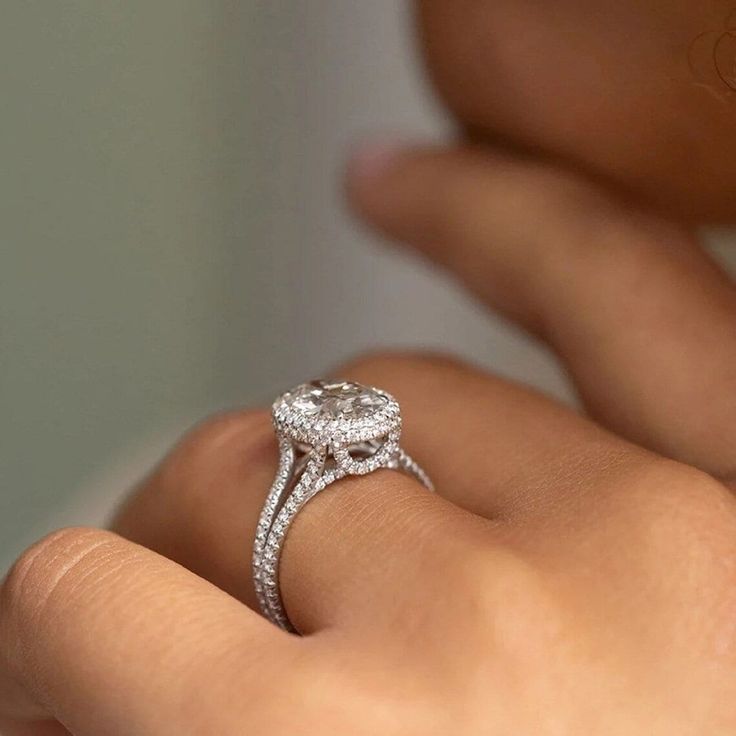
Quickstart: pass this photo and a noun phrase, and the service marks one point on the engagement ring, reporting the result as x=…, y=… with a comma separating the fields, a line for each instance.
x=326, y=431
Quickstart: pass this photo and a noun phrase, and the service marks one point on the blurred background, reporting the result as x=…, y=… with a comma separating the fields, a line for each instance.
x=172, y=234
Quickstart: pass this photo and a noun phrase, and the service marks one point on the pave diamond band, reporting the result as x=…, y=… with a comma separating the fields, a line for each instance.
x=326, y=431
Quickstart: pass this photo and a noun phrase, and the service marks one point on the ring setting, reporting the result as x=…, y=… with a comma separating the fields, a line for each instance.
x=326, y=430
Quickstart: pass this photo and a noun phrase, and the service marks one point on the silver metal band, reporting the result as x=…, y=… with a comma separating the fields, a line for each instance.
x=315, y=451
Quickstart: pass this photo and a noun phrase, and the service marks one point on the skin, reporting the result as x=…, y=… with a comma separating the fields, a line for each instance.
x=573, y=575
x=639, y=92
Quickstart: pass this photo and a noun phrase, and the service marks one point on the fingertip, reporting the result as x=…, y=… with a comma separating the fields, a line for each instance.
x=370, y=160
x=380, y=181
x=396, y=187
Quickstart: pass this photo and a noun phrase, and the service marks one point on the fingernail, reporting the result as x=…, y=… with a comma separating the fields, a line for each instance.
x=372, y=159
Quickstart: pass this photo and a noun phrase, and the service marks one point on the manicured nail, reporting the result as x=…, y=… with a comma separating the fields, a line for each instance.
x=372, y=159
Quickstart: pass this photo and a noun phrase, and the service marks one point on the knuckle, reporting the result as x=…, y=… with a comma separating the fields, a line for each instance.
x=503, y=598
x=686, y=543
x=510, y=610
x=677, y=503
x=682, y=522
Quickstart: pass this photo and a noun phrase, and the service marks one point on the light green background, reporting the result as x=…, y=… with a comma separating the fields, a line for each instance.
x=123, y=147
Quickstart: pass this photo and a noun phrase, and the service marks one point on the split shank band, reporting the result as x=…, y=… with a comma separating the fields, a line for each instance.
x=326, y=431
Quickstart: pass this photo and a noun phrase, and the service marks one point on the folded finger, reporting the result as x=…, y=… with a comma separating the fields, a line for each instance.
x=643, y=320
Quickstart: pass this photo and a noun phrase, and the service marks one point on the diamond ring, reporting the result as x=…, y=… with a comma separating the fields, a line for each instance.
x=326, y=431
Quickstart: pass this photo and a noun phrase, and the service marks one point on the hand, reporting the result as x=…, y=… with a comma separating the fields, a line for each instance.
x=573, y=577
x=642, y=92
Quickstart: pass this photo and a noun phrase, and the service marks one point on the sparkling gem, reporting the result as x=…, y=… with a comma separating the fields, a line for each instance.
x=336, y=400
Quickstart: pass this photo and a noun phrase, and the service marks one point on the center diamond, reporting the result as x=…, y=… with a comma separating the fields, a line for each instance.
x=336, y=400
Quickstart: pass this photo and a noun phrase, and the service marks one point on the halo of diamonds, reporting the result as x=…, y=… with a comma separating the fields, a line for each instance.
x=329, y=422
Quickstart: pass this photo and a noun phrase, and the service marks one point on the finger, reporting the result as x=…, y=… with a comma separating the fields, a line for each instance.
x=201, y=508
x=643, y=320
x=493, y=448
x=497, y=448
x=108, y=637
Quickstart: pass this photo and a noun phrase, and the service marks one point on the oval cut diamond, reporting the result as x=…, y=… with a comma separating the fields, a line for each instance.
x=336, y=400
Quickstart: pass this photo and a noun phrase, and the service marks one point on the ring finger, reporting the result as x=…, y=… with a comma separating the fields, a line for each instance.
x=494, y=448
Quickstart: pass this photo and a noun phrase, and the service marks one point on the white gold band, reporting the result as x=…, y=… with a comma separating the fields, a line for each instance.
x=326, y=431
